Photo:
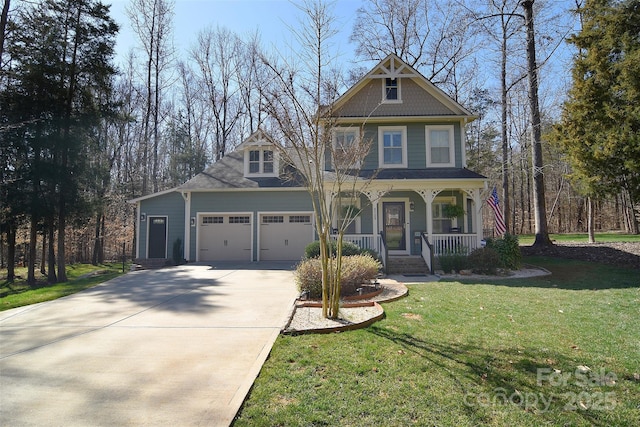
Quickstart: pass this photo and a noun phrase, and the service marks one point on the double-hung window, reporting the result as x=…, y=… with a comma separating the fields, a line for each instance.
x=345, y=149
x=260, y=162
x=440, y=152
x=392, y=146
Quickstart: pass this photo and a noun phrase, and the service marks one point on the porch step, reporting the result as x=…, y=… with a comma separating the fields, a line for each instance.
x=407, y=265
x=152, y=263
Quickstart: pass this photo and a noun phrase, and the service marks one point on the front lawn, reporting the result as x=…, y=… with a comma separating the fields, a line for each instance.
x=512, y=352
x=81, y=276
x=601, y=237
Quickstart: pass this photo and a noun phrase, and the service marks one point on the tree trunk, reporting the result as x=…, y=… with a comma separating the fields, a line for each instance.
x=590, y=221
x=33, y=247
x=51, y=258
x=43, y=254
x=539, y=205
x=505, y=142
x=96, y=241
x=11, y=252
x=3, y=26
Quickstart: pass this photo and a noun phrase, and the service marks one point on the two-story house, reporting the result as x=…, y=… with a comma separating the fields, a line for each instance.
x=243, y=208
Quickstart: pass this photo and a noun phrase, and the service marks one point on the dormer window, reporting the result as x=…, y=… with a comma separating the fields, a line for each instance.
x=391, y=90
x=259, y=162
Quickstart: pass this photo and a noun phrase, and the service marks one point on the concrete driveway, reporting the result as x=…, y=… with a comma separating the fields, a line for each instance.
x=179, y=346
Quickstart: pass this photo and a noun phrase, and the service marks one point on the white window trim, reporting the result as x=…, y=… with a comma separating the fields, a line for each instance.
x=384, y=92
x=381, y=131
x=344, y=201
x=260, y=173
x=452, y=151
x=447, y=200
x=334, y=141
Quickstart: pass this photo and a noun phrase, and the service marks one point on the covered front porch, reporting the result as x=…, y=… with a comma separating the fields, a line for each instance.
x=412, y=222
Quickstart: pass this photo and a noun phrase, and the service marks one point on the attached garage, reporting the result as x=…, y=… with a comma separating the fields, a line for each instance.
x=224, y=237
x=283, y=236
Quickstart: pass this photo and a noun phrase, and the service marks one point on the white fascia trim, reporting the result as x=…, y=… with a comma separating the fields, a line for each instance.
x=151, y=196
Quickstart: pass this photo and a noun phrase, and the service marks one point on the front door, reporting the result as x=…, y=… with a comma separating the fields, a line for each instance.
x=394, y=226
x=157, y=237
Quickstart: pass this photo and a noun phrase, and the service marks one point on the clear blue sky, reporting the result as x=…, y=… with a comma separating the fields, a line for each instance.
x=270, y=17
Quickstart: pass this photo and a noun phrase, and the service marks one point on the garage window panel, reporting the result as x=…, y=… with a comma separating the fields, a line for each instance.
x=239, y=220
x=212, y=220
x=273, y=219
x=300, y=219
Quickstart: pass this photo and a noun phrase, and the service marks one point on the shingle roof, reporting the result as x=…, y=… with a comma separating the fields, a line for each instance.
x=431, y=173
x=228, y=173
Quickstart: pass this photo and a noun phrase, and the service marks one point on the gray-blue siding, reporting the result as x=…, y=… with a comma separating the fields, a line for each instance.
x=247, y=201
x=416, y=144
x=170, y=205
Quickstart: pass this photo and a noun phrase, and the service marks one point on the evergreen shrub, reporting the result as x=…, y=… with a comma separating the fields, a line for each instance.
x=508, y=248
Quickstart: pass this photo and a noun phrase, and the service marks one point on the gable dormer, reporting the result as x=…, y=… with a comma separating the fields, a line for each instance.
x=260, y=156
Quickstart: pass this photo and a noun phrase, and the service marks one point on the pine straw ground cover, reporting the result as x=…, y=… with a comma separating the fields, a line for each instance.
x=556, y=350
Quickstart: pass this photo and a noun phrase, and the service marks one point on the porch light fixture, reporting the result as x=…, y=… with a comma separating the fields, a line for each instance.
x=143, y=217
x=412, y=206
x=193, y=221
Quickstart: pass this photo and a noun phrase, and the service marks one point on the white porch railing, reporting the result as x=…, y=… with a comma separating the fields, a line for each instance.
x=364, y=241
x=453, y=243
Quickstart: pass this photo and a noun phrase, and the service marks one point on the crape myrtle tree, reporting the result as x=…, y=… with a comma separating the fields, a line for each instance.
x=60, y=53
x=600, y=123
x=298, y=100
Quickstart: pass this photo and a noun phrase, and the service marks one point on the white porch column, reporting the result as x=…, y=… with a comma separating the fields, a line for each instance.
x=374, y=196
x=428, y=195
x=478, y=224
x=477, y=217
x=187, y=225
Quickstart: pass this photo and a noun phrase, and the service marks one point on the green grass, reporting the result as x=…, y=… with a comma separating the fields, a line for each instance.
x=450, y=353
x=81, y=276
x=527, y=239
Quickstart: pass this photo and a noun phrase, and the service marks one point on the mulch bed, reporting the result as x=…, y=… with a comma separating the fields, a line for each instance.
x=617, y=254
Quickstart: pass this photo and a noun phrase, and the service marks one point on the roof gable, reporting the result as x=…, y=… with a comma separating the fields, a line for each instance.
x=420, y=97
x=256, y=139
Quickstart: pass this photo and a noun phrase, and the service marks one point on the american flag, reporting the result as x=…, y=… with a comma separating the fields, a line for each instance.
x=494, y=202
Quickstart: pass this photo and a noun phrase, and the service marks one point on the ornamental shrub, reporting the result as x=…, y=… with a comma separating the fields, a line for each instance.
x=356, y=270
x=484, y=260
x=451, y=262
x=312, y=250
x=508, y=248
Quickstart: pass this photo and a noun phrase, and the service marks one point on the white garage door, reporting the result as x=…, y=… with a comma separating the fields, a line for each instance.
x=284, y=236
x=225, y=237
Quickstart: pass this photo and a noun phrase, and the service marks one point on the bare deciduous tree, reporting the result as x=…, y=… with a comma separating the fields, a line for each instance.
x=218, y=56
x=299, y=102
x=151, y=21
